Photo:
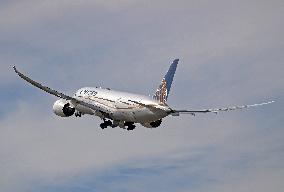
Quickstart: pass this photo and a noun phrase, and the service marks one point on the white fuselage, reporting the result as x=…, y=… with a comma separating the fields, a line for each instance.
x=121, y=106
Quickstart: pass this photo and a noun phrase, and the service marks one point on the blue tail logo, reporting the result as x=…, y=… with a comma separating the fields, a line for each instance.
x=164, y=88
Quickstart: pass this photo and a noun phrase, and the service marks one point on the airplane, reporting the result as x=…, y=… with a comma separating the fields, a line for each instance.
x=123, y=109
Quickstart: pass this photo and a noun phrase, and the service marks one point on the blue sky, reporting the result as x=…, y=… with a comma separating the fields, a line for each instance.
x=231, y=52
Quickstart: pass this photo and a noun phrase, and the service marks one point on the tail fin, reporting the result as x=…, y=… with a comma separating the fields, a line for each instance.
x=164, y=88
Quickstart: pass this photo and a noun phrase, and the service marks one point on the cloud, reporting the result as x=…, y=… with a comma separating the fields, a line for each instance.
x=231, y=53
x=65, y=153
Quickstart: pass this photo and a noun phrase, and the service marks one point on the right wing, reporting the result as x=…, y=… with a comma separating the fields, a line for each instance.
x=56, y=93
x=193, y=112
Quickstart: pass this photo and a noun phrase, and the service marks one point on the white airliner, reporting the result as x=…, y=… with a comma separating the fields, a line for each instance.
x=123, y=109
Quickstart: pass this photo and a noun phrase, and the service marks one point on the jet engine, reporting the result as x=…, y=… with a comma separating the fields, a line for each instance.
x=63, y=108
x=153, y=124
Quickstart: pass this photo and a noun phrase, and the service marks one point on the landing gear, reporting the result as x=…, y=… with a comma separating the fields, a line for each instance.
x=115, y=123
x=105, y=124
x=78, y=114
x=125, y=125
x=130, y=125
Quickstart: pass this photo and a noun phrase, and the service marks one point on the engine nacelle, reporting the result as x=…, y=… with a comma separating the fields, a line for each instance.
x=153, y=124
x=63, y=108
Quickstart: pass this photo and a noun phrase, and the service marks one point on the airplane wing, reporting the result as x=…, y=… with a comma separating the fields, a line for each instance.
x=56, y=93
x=193, y=112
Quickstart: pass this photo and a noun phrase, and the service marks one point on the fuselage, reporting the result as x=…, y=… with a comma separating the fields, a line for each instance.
x=121, y=106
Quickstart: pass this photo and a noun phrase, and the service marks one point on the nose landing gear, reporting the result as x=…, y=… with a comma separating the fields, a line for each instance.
x=78, y=114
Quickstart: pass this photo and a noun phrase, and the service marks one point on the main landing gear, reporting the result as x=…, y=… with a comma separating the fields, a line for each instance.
x=105, y=124
x=78, y=114
x=130, y=125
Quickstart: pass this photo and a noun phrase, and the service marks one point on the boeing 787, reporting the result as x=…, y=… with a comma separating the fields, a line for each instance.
x=123, y=109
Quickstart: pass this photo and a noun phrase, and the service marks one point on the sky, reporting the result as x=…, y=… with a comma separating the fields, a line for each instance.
x=231, y=52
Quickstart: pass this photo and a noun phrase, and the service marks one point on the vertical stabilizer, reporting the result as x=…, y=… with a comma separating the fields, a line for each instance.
x=164, y=88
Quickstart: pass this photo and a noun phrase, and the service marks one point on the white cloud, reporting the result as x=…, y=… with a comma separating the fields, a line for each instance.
x=36, y=145
x=231, y=52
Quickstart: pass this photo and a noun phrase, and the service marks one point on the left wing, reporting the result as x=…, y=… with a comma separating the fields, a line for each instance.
x=193, y=112
x=56, y=93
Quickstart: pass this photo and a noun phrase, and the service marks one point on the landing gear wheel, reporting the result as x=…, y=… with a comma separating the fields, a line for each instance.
x=131, y=127
x=78, y=114
x=108, y=123
x=103, y=125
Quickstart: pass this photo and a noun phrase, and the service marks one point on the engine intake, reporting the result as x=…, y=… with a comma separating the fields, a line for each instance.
x=63, y=108
x=153, y=124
